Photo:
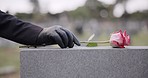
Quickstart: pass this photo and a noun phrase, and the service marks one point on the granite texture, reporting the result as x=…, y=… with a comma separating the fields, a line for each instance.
x=84, y=62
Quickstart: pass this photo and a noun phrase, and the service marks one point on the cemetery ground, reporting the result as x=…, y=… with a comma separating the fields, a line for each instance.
x=9, y=60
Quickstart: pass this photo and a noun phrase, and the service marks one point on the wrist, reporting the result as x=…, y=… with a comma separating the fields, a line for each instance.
x=41, y=37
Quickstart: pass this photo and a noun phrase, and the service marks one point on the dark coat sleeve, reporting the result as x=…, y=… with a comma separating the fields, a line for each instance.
x=19, y=31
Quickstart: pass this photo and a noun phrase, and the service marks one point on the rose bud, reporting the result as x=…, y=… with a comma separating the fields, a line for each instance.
x=119, y=39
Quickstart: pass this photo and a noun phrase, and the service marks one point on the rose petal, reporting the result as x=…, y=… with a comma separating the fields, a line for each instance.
x=127, y=38
x=124, y=33
x=115, y=44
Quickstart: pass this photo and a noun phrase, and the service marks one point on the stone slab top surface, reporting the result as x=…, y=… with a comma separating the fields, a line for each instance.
x=83, y=47
x=84, y=62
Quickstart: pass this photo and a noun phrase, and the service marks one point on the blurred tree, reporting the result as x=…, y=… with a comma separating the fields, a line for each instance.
x=36, y=7
x=36, y=11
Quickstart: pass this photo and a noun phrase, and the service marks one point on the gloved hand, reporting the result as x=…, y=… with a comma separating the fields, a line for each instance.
x=57, y=35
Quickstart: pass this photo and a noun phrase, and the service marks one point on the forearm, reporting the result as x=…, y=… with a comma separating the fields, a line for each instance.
x=19, y=31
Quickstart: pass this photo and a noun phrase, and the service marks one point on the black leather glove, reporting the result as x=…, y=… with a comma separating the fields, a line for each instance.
x=57, y=35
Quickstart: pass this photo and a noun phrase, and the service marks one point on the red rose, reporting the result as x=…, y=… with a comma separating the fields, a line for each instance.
x=119, y=39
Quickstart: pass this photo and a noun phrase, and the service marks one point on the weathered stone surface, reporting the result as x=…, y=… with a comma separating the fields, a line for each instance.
x=84, y=62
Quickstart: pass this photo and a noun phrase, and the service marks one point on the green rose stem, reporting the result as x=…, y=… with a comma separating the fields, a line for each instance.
x=98, y=42
x=93, y=43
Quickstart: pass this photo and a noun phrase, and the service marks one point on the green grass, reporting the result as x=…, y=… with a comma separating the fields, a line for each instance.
x=140, y=39
x=9, y=57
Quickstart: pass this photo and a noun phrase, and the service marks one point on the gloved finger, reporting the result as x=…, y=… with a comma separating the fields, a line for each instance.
x=58, y=40
x=63, y=36
x=75, y=40
x=70, y=38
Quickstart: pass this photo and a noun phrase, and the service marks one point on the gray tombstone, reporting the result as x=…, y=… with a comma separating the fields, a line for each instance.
x=84, y=62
